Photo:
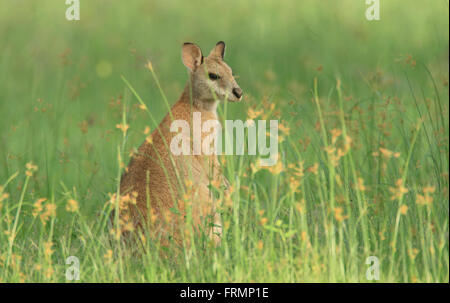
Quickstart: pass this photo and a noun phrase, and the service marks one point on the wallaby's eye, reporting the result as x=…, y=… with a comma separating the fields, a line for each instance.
x=213, y=76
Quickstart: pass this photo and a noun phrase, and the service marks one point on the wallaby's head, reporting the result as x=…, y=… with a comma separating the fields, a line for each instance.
x=211, y=77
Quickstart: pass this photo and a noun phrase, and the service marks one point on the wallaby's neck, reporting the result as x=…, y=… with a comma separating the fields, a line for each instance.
x=197, y=103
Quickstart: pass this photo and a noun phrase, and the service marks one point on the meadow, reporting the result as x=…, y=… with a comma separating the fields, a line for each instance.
x=363, y=143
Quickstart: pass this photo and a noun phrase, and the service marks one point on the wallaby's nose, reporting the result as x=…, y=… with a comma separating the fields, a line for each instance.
x=237, y=92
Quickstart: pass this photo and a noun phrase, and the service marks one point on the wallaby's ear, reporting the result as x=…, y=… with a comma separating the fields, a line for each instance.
x=191, y=55
x=218, y=50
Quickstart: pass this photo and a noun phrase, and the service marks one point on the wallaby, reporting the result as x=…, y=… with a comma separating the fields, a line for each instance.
x=162, y=188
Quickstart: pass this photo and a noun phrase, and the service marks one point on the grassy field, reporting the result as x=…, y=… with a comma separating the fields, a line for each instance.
x=364, y=141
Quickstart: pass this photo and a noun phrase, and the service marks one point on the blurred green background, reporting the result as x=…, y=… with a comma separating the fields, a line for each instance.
x=276, y=48
x=61, y=92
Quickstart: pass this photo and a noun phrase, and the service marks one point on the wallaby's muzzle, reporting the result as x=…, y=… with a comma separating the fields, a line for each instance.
x=237, y=93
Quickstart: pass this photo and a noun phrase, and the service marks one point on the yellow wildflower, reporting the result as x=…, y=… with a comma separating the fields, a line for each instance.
x=389, y=154
x=314, y=168
x=398, y=191
x=123, y=127
x=149, y=139
x=50, y=211
x=276, y=169
x=49, y=272
x=361, y=185
x=429, y=190
x=215, y=183
x=149, y=65
x=294, y=184
x=48, y=251
x=263, y=221
x=300, y=206
x=426, y=198
x=253, y=114
x=299, y=171
x=413, y=253
x=30, y=169
x=284, y=129
x=335, y=134
x=338, y=214
x=108, y=255
x=72, y=205
x=260, y=245
x=37, y=206
x=254, y=168
x=403, y=209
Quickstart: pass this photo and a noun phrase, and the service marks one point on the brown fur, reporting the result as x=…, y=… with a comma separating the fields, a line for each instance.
x=161, y=182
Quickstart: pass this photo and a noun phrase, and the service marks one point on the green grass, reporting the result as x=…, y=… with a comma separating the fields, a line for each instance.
x=323, y=66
